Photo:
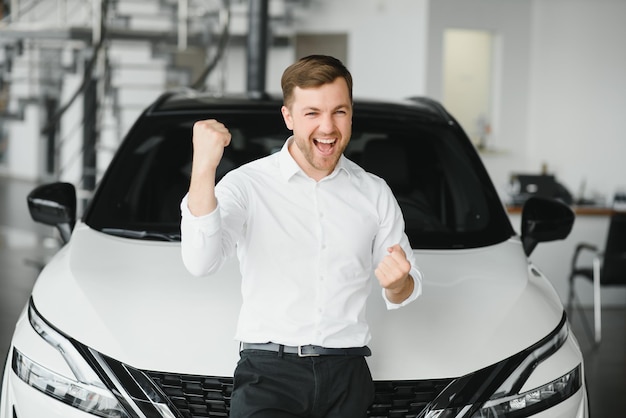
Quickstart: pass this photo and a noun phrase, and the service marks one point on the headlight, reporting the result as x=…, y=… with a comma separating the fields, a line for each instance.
x=88, y=398
x=494, y=392
x=85, y=392
x=101, y=386
x=533, y=401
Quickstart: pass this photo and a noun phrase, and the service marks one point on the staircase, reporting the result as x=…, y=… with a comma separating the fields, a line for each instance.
x=55, y=54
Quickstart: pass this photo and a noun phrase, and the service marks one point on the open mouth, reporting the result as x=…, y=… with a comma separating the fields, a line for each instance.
x=325, y=146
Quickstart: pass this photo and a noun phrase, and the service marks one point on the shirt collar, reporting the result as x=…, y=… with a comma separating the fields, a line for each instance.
x=289, y=167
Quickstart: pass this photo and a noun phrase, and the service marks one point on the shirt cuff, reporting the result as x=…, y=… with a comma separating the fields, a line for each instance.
x=417, y=291
x=208, y=224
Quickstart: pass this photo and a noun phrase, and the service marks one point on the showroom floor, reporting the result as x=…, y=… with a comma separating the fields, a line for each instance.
x=25, y=246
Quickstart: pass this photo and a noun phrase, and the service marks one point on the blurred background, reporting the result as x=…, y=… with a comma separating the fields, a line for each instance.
x=538, y=85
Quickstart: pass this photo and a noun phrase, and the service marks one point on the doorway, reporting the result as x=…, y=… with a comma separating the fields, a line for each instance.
x=468, y=79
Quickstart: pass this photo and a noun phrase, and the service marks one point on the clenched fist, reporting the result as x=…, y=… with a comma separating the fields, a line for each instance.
x=210, y=137
x=393, y=275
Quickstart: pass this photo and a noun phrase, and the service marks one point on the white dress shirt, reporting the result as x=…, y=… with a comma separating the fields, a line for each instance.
x=307, y=249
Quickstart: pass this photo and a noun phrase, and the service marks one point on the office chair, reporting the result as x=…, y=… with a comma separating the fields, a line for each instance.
x=608, y=267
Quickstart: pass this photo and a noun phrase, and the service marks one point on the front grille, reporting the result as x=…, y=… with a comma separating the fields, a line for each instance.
x=404, y=398
x=209, y=397
x=196, y=396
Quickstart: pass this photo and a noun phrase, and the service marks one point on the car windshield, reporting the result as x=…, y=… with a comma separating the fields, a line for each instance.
x=443, y=190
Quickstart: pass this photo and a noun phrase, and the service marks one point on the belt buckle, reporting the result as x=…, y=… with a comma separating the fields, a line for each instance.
x=301, y=354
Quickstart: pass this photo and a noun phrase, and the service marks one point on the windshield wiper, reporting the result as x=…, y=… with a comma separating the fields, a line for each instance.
x=149, y=235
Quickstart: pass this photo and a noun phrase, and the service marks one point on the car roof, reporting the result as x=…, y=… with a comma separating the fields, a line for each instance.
x=192, y=101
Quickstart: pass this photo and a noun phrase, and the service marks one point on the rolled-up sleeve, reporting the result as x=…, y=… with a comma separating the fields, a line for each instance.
x=201, y=243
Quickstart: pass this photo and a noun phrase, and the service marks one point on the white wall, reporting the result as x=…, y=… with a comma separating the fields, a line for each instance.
x=24, y=154
x=386, y=46
x=561, y=88
x=510, y=23
x=578, y=92
x=386, y=42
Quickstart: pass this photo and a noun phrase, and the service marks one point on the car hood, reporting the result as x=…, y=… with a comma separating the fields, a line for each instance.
x=134, y=301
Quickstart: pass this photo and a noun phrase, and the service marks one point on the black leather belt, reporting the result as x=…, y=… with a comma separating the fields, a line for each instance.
x=308, y=350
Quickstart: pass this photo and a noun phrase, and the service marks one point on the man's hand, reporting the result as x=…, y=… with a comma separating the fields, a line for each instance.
x=210, y=137
x=393, y=275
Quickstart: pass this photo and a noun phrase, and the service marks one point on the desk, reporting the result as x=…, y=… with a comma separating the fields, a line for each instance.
x=578, y=210
x=554, y=258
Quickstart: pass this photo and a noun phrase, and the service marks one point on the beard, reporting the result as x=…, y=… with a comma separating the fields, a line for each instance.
x=320, y=156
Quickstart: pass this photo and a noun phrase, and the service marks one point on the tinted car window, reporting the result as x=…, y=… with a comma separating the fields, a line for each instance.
x=443, y=191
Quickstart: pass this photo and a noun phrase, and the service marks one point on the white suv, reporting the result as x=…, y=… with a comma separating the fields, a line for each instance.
x=116, y=327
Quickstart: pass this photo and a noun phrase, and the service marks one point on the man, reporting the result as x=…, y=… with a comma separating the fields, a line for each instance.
x=308, y=227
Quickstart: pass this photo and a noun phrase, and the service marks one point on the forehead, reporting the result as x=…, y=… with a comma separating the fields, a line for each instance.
x=332, y=94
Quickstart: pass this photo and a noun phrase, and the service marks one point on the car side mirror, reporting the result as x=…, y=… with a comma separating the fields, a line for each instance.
x=54, y=204
x=545, y=219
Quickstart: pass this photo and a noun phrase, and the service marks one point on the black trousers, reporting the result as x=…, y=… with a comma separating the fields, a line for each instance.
x=269, y=385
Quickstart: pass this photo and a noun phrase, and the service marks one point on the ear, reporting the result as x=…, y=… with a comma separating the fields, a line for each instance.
x=287, y=117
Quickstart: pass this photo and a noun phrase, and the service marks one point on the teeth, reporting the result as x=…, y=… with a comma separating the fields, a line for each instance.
x=326, y=141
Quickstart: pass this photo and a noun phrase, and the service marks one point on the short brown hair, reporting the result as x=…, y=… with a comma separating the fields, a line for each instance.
x=313, y=71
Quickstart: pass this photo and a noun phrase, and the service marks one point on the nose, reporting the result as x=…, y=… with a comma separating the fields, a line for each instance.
x=327, y=123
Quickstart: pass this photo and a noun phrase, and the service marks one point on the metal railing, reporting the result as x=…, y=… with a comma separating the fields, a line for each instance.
x=91, y=26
